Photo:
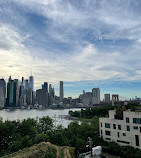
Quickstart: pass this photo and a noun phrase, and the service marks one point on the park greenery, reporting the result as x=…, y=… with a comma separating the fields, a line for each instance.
x=16, y=135
x=89, y=113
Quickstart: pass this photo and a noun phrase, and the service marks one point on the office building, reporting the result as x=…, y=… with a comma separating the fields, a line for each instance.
x=86, y=98
x=39, y=96
x=124, y=131
x=45, y=94
x=107, y=98
x=2, y=98
x=3, y=86
x=31, y=82
x=45, y=87
x=50, y=89
x=95, y=96
x=61, y=91
x=10, y=92
x=29, y=96
x=26, y=84
x=2, y=92
x=16, y=92
x=42, y=95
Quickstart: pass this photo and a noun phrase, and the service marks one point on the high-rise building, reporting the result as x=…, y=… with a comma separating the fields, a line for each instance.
x=46, y=86
x=2, y=98
x=16, y=93
x=86, y=98
x=107, y=98
x=28, y=96
x=26, y=84
x=42, y=95
x=31, y=82
x=3, y=86
x=39, y=96
x=2, y=92
x=95, y=96
x=50, y=89
x=45, y=94
x=10, y=92
x=61, y=91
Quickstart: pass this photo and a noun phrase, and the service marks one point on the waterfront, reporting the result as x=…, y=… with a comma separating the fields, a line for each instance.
x=60, y=115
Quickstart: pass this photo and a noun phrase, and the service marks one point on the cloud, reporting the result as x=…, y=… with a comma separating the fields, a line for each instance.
x=71, y=41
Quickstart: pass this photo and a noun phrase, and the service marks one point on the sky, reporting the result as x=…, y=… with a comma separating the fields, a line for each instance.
x=85, y=43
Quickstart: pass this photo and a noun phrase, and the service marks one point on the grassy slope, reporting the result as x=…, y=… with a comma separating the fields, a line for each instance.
x=44, y=150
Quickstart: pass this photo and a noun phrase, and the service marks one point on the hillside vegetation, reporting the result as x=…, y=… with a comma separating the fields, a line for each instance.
x=44, y=150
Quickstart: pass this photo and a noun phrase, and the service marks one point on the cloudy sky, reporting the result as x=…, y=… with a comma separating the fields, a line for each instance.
x=85, y=43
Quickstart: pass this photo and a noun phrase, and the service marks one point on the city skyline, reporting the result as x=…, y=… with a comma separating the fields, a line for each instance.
x=105, y=88
x=92, y=44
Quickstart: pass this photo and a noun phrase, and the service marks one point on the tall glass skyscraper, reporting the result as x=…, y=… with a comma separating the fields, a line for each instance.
x=2, y=92
x=61, y=91
x=12, y=92
x=26, y=84
x=31, y=82
x=3, y=86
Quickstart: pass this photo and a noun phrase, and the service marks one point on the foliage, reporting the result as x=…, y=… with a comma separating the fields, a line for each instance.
x=16, y=135
x=45, y=124
x=91, y=112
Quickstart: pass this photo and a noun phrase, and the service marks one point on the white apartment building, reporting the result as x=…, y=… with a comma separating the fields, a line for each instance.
x=124, y=132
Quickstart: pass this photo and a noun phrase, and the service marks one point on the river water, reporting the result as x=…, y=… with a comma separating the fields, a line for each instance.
x=58, y=115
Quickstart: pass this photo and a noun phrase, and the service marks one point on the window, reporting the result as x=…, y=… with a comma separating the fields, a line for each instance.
x=127, y=120
x=101, y=131
x=137, y=120
x=118, y=134
x=140, y=129
x=124, y=134
x=123, y=142
x=108, y=138
x=107, y=125
x=119, y=127
x=135, y=127
x=128, y=128
x=137, y=140
x=114, y=126
x=108, y=133
x=101, y=124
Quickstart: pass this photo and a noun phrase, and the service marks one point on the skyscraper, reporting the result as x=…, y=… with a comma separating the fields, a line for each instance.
x=61, y=91
x=31, y=82
x=3, y=86
x=2, y=92
x=26, y=84
x=107, y=98
x=46, y=86
x=42, y=95
x=95, y=96
x=45, y=94
x=50, y=90
x=16, y=94
x=10, y=92
x=2, y=98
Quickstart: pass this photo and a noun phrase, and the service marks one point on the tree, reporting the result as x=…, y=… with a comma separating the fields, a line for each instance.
x=45, y=124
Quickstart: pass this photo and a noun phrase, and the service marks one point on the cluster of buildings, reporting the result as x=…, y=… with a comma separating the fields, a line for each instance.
x=17, y=93
x=21, y=94
x=93, y=98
